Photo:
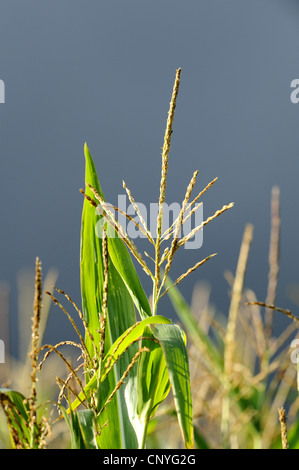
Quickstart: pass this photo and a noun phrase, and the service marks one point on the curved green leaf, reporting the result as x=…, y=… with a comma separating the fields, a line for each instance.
x=77, y=440
x=122, y=261
x=129, y=336
x=117, y=349
x=172, y=341
x=121, y=313
x=118, y=253
x=19, y=414
x=153, y=378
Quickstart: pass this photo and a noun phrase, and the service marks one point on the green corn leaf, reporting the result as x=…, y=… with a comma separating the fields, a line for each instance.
x=159, y=383
x=87, y=424
x=82, y=427
x=132, y=387
x=153, y=379
x=91, y=264
x=123, y=263
x=124, y=290
x=117, y=349
x=131, y=335
x=172, y=341
x=18, y=400
x=19, y=414
x=136, y=399
x=117, y=250
x=77, y=440
x=152, y=383
x=121, y=313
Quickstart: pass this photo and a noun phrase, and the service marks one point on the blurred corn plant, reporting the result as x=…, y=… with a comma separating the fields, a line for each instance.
x=128, y=364
x=16, y=371
x=26, y=418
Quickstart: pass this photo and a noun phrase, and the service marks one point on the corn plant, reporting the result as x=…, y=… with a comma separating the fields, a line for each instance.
x=131, y=356
x=27, y=424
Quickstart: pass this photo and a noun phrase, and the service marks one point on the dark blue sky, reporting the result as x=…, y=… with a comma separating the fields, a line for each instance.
x=102, y=72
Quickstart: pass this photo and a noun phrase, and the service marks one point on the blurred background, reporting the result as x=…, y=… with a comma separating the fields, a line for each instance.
x=102, y=73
